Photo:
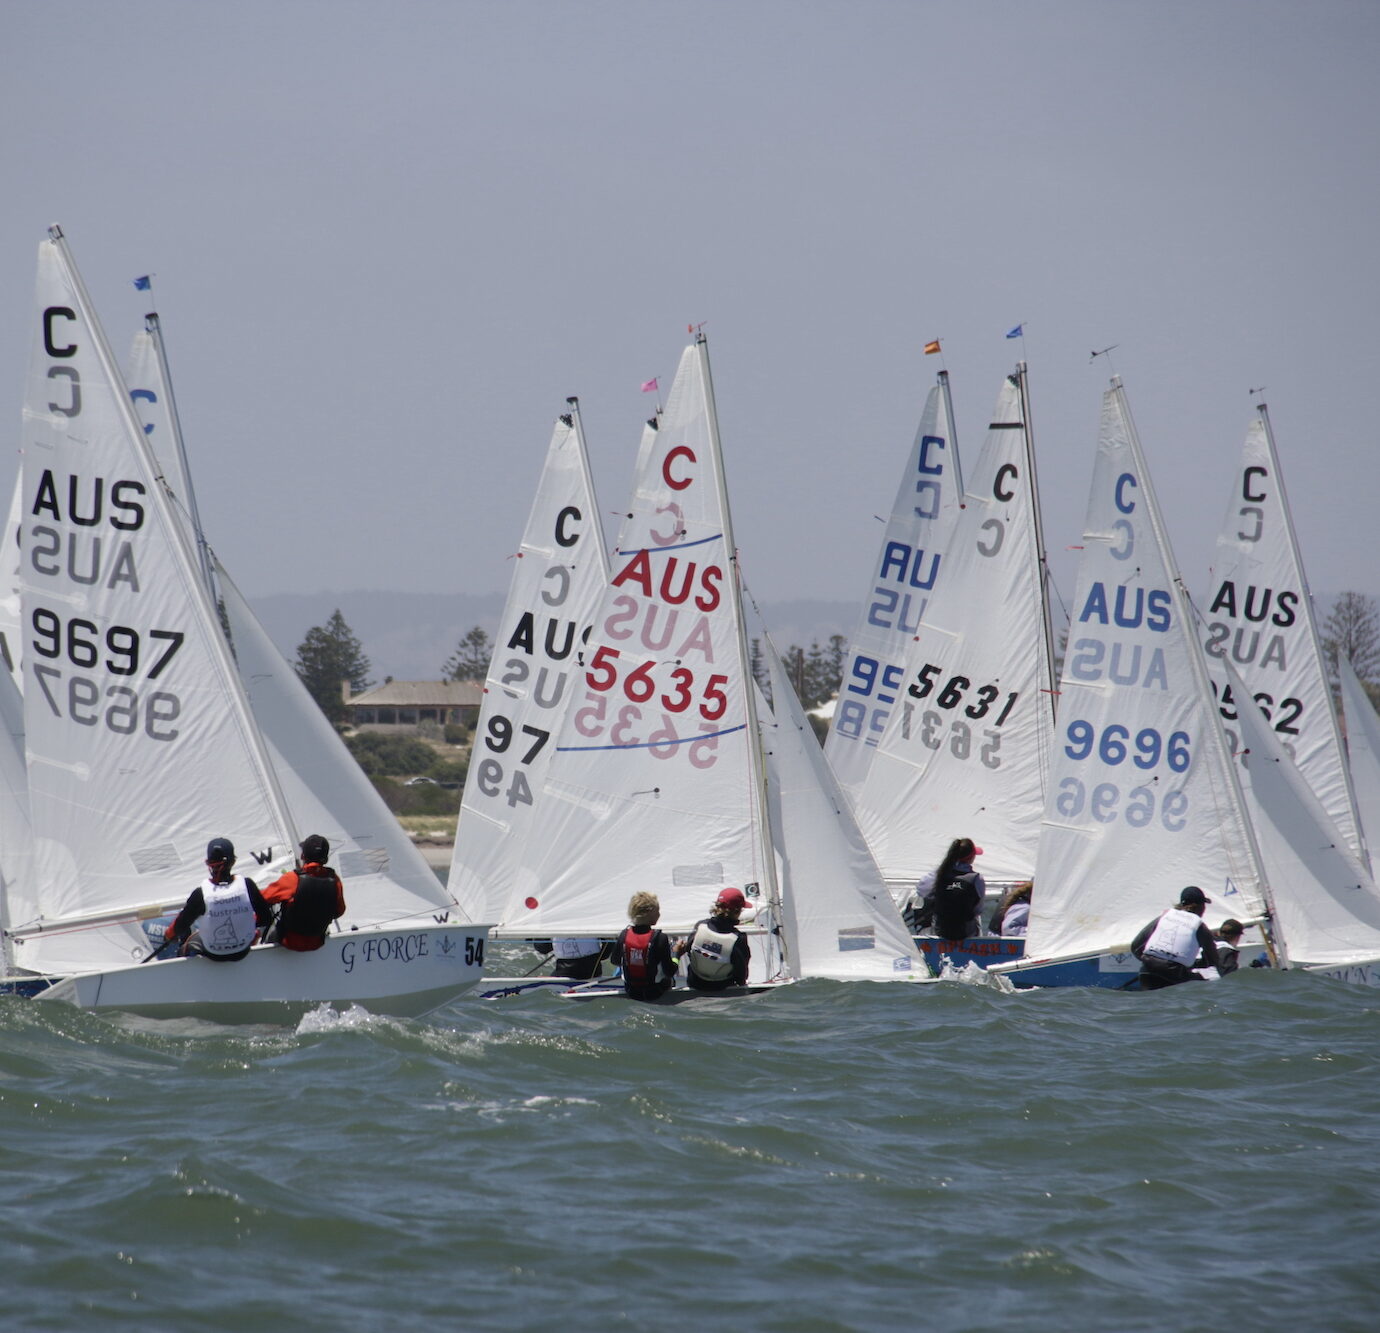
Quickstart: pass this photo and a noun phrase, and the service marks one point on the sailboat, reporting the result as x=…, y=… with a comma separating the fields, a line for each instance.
x=906, y=573
x=141, y=742
x=1143, y=794
x=661, y=776
x=1260, y=619
x=966, y=751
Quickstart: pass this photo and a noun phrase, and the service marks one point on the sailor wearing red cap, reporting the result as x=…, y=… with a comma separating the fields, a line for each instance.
x=717, y=950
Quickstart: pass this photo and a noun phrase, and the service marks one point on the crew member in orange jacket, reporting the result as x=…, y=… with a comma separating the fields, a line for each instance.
x=311, y=897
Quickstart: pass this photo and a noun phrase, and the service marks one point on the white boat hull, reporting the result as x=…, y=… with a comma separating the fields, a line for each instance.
x=404, y=972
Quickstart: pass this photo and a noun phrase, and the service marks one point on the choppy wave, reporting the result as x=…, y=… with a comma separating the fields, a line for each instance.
x=826, y=1157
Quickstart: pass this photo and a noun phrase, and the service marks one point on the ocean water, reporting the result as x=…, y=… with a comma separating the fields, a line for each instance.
x=826, y=1157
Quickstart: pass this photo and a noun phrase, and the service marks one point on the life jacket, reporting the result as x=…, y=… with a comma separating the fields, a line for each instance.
x=637, y=957
x=1017, y=919
x=1175, y=938
x=227, y=925
x=711, y=952
x=955, y=903
x=311, y=909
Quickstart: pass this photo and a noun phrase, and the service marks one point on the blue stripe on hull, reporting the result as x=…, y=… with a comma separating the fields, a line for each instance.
x=1110, y=972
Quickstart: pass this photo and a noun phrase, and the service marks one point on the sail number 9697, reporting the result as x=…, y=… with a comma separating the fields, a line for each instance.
x=84, y=646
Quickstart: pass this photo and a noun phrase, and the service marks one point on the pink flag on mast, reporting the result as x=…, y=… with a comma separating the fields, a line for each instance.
x=649, y=386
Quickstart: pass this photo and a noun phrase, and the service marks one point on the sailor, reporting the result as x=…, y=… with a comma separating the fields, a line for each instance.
x=1228, y=946
x=948, y=902
x=220, y=917
x=718, y=951
x=312, y=896
x=644, y=952
x=1012, y=916
x=1170, y=944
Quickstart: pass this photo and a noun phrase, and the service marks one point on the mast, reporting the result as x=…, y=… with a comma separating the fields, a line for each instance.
x=1200, y=675
x=155, y=332
x=1041, y=555
x=160, y=499
x=1314, y=640
x=943, y=382
x=757, y=760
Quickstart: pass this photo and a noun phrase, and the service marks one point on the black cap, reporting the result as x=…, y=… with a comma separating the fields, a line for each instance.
x=315, y=849
x=1193, y=894
x=220, y=849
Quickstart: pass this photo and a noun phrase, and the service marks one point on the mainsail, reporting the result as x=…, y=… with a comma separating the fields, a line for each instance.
x=140, y=742
x=966, y=752
x=559, y=575
x=906, y=572
x=1143, y=796
x=1260, y=620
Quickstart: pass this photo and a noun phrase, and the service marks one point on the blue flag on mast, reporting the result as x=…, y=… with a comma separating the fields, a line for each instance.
x=142, y=284
x=1017, y=332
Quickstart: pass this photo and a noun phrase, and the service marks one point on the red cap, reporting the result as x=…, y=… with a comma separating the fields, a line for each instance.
x=732, y=898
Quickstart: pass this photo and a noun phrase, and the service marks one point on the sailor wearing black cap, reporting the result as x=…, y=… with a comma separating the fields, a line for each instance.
x=1170, y=944
x=219, y=919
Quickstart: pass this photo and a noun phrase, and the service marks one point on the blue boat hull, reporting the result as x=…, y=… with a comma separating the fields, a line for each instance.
x=1110, y=972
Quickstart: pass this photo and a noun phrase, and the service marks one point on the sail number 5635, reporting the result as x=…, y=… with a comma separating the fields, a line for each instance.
x=639, y=687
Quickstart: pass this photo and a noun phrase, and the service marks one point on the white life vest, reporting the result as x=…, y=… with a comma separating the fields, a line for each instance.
x=227, y=925
x=574, y=948
x=711, y=953
x=1175, y=937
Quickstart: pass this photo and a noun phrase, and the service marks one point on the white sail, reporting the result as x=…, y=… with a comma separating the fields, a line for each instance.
x=655, y=781
x=1326, y=907
x=966, y=752
x=386, y=878
x=1143, y=797
x=559, y=576
x=839, y=919
x=907, y=570
x=1363, y=753
x=140, y=744
x=1260, y=620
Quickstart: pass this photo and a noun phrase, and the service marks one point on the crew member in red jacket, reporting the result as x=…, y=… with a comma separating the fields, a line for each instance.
x=311, y=897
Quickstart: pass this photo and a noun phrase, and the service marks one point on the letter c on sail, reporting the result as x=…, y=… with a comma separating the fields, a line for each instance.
x=677, y=484
x=49, y=315
x=1122, y=503
x=1006, y=473
x=1246, y=484
x=1124, y=551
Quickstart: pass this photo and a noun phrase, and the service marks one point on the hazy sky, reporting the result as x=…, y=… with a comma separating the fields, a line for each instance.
x=389, y=239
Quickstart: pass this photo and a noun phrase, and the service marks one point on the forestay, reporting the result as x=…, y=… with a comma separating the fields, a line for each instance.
x=1363, y=752
x=1326, y=908
x=1260, y=620
x=966, y=753
x=1143, y=798
x=906, y=573
x=560, y=573
x=655, y=781
x=140, y=745
x=838, y=918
